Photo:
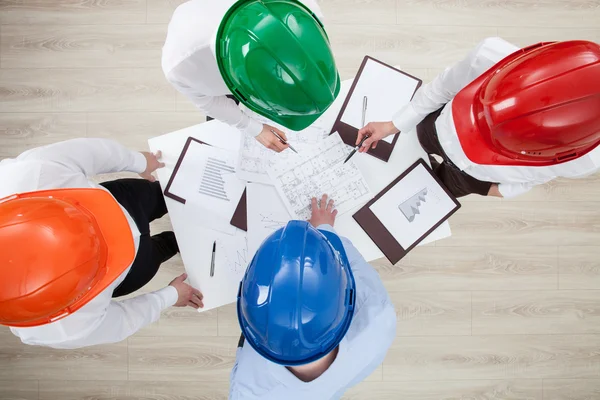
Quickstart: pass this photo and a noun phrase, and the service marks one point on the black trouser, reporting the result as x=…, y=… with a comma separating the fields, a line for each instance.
x=458, y=182
x=145, y=202
x=229, y=96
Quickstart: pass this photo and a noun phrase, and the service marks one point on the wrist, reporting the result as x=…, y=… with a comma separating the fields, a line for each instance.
x=391, y=128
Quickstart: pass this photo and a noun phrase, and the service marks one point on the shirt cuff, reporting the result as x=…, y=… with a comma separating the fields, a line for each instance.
x=326, y=227
x=254, y=128
x=406, y=119
x=168, y=295
x=139, y=162
x=509, y=191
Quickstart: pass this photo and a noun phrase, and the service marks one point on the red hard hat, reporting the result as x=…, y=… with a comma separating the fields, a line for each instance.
x=538, y=106
x=60, y=249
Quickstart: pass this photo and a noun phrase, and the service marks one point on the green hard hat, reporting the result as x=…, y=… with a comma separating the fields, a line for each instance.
x=275, y=58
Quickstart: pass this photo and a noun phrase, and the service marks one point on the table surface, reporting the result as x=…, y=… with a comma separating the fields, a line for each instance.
x=195, y=241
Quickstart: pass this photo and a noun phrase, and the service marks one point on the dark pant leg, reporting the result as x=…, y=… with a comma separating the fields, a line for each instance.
x=144, y=201
x=458, y=182
x=229, y=96
x=153, y=251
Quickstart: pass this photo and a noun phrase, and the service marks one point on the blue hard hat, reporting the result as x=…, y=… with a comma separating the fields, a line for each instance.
x=296, y=300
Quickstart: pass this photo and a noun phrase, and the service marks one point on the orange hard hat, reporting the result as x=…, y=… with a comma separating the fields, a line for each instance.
x=59, y=249
x=538, y=106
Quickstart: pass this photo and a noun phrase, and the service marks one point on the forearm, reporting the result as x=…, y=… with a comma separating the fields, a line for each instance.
x=90, y=156
x=126, y=317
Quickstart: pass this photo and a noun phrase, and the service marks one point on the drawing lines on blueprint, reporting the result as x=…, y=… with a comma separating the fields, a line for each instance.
x=212, y=183
x=235, y=259
x=269, y=222
x=319, y=171
x=255, y=159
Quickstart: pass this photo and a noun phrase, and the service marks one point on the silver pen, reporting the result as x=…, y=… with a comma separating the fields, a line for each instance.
x=283, y=141
x=364, y=114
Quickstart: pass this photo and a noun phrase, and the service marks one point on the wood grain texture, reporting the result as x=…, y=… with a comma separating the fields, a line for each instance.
x=228, y=321
x=557, y=13
x=160, y=11
x=579, y=267
x=200, y=359
x=572, y=389
x=526, y=35
x=93, y=90
x=472, y=268
x=536, y=312
x=493, y=357
x=134, y=128
x=15, y=390
x=132, y=390
x=25, y=363
x=432, y=313
x=535, y=223
x=59, y=12
x=449, y=390
x=380, y=12
x=183, y=322
x=406, y=46
x=91, y=68
x=21, y=131
x=81, y=46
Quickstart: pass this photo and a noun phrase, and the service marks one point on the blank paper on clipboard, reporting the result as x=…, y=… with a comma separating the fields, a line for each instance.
x=387, y=91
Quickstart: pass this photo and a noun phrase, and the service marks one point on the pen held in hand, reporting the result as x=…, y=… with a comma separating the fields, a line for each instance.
x=283, y=140
x=356, y=148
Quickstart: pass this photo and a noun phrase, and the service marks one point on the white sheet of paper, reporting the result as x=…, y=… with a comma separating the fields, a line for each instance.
x=231, y=261
x=387, y=91
x=255, y=159
x=320, y=171
x=413, y=206
x=266, y=214
x=207, y=180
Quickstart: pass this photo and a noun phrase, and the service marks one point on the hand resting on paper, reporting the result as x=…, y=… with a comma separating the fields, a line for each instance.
x=187, y=295
x=269, y=140
x=152, y=164
x=322, y=212
x=377, y=131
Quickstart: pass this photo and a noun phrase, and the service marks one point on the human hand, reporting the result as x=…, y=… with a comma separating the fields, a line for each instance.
x=152, y=164
x=494, y=191
x=322, y=212
x=187, y=295
x=376, y=132
x=269, y=140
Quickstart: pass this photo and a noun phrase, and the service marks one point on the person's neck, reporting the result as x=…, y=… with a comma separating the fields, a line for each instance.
x=310, y=372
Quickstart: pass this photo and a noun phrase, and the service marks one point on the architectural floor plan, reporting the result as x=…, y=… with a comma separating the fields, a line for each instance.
x=317, y=171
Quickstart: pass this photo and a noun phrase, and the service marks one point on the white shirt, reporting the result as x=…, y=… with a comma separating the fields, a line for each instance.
x=513, y=180
x=361, y=351
x=189, y=63
x=68, y=165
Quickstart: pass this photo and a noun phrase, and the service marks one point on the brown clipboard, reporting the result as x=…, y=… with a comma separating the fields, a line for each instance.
x=348, y=133
x=240, y=215
x=379, y=234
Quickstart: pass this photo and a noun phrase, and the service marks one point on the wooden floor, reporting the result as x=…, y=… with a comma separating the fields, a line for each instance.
x=508, y=308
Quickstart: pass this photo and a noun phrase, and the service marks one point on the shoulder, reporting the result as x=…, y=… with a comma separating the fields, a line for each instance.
x=191, y=27
x=250, y=377
x=493, y=49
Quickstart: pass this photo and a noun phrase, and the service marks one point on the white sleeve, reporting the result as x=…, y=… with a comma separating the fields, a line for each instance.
x=90, y=156
x=218, y=107
x=509, y=190
x=126, y=317
x=446, y=85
